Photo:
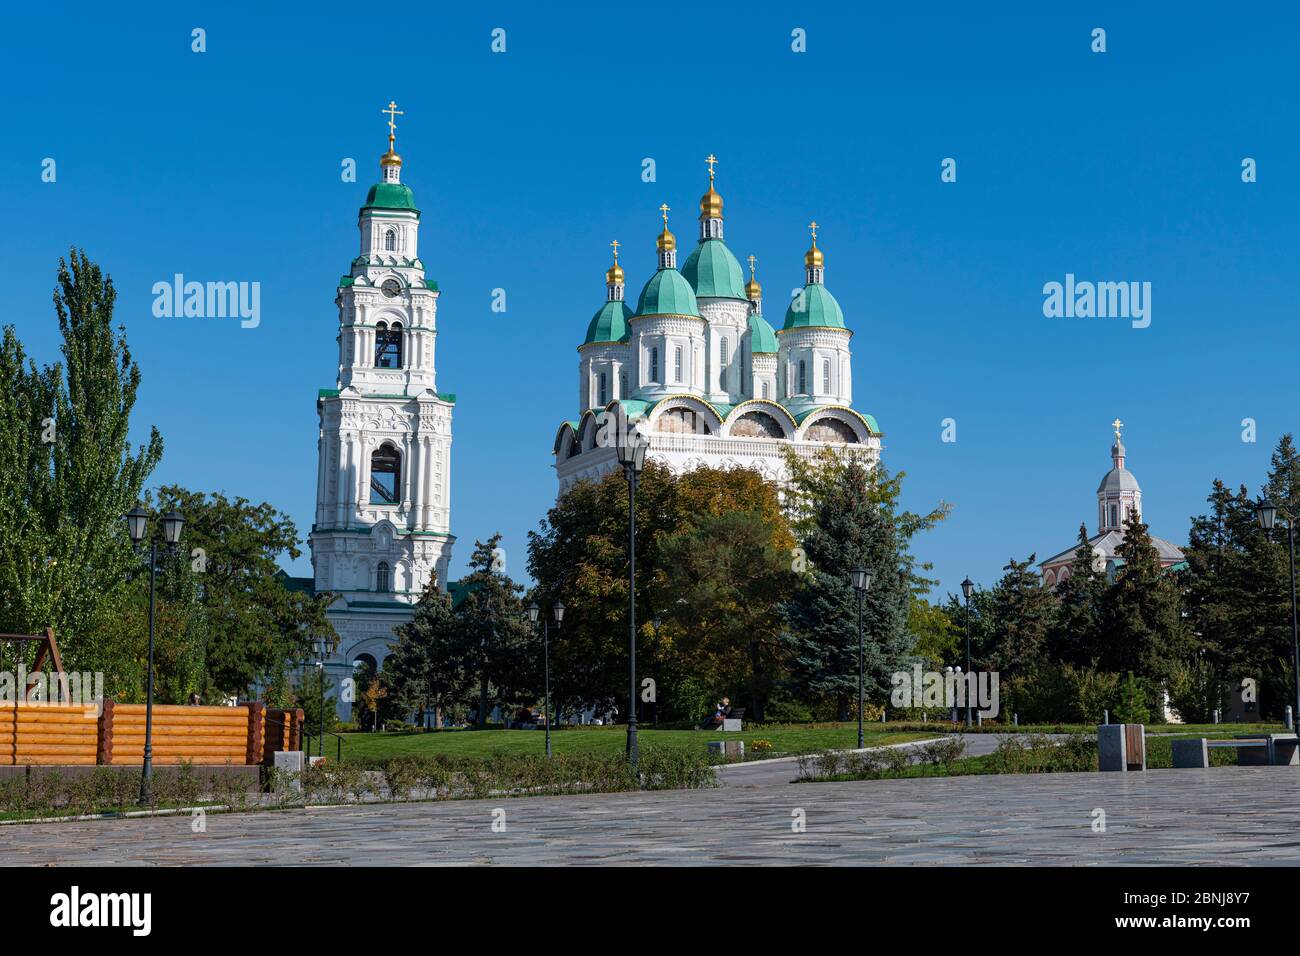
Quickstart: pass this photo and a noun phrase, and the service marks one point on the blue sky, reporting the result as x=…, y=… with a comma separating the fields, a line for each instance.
x=1122, y=166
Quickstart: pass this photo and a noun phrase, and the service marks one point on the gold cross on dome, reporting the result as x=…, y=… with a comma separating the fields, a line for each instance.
x=711, y=161
x=1117, y=425
x=664, y=209
x=615, y=244
x=393, y=112
x=752, y=260
x=813, y=227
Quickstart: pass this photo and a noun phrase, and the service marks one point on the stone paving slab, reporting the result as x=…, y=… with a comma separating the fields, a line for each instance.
x=1229, y=815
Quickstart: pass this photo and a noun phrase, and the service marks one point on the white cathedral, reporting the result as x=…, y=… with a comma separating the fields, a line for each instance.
x=707, y=378
x=382, y=527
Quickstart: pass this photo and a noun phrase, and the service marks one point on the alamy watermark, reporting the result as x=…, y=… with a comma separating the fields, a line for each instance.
x=208, y=300
x=919, y=688
x=85, y=689
x=1101, y=300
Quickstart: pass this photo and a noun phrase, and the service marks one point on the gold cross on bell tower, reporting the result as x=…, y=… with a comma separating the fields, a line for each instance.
x=1117, y=425
x=711, y=161
x=664, y=210
x=813, y=227
x=752, y=260
x=393, y=112
x=615, y=244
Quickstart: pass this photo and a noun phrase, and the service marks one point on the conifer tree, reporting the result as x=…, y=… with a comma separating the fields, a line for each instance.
x=851, y=518
x=430, y=668
x=1076, y=636
x=1145, y=629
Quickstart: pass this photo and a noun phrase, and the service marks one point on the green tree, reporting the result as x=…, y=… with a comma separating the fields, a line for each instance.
x=1023, y=614
x=849, y=515
x=431, y=668
x=1145, y=629
x=1076, y=634
x=730, y=582
x=71, y=473
x=494, y=634
x=257, y=624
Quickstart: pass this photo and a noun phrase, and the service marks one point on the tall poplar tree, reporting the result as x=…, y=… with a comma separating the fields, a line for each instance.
x=74, y=472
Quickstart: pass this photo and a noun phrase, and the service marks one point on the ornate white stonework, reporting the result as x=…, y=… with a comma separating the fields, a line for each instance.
x=382, y=529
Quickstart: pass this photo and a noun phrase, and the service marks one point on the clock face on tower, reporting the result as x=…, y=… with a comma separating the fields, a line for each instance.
x=391, y=287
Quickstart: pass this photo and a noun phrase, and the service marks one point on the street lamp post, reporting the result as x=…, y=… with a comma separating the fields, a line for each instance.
x=861, y=579
x=558, y=610
x=1267, y=513
x=319, y=645
x=137, y=523
x=967, y=586
x=631, y=449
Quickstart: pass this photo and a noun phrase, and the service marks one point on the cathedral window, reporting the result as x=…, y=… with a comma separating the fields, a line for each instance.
x=388, y=345
x=1114, y=516
x=603, y=399
x=390, y=241
x=765, y=389
x=382, y=577
x=654, y=365
x=622, y=385
x=803, y=377
x=677, y=364
x=826, y=376
x=385, y=475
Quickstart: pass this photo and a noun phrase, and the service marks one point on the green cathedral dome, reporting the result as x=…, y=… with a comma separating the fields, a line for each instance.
x=820, y=310
x=609, y=324
x=761, y=336
x=712, y=270
x=667, y=293
x=390, y=196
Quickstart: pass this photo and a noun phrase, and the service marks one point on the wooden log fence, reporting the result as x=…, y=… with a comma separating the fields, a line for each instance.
x=35, y=732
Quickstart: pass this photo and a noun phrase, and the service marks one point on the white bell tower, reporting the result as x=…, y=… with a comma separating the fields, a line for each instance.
x=382, y=529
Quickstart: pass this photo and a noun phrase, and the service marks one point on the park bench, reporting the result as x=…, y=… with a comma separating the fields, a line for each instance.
x=1253, y=750
x=730, y=722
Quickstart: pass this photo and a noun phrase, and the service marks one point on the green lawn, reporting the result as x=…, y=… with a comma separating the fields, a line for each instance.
x=785, y=739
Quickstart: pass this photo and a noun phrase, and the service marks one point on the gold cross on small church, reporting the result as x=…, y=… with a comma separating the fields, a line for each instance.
x=813, y=227
x=1117, y=425
x=712, y=161
x=393, y=112
x=615, y=244
x=664, y=209
x=752, y=260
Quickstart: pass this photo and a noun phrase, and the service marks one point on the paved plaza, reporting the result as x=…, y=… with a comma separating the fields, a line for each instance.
x=1231, y=815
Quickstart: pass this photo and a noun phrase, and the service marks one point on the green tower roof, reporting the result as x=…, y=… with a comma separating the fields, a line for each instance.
x=819, y=310
x=762, y=338
x=712, y=270
x=667, y=293
x=609, y=324
x=390, y=196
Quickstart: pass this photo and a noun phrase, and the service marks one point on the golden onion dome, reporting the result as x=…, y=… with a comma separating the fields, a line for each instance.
x=390, y=158
x=614, y=275
x=753, y=291
x=666, y=240
x=711, y=204
x=813, y=257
